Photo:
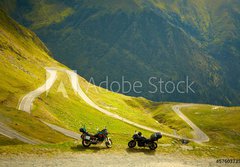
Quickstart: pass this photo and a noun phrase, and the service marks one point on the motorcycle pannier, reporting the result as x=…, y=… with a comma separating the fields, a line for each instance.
x=155, y=136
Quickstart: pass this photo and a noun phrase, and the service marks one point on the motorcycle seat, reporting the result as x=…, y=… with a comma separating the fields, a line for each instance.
x=89, y=134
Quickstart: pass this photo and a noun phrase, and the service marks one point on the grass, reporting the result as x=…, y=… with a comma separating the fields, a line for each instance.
x=29, y=126
x=164, y=114
x=23, y=58
x=75, y=113
x=176, y=148
x=7, y=141
x=220, y=124
x=224, y=130
x=139, y=110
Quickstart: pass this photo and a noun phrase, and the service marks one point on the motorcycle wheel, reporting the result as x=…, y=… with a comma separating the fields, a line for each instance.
x=109, y=143
x=132, y=144
x=153, y=146
x=86, y=143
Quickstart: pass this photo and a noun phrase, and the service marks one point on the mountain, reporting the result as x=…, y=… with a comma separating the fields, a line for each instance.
x=141, y=39
x=24, y=59
x=23, y=63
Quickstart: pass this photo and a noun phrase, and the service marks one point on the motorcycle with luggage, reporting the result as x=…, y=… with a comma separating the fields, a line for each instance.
x=100, y=137
x=141, y=141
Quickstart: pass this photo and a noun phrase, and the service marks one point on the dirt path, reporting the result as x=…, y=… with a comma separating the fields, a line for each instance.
x=66, y=132
x=106, y=160
x=200, y=135
x=12, y=134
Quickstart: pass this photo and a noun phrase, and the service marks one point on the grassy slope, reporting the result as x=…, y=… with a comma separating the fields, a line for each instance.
x=6, y=141
x=220, y=124
x=139, y=110
x=23, y=60
x=164, y=114
x=19, y=47
x=74, y=113
x=28, y=125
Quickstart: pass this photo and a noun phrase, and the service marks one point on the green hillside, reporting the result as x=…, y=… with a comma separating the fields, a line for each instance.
x=22, y=69
x=140, y=39
x=217, y=129
x=220, y=124
x=24, y=58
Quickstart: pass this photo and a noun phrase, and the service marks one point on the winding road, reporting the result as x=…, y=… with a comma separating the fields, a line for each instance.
x=66, y=132
x=200, y=135
x=12, y=134
x=27, y=100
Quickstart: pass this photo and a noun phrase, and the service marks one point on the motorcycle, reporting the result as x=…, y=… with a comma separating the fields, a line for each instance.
x=99, y=138
x=143, y=142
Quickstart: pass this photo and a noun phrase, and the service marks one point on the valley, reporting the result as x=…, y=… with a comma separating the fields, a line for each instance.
x=43, y=103
x=141, y=39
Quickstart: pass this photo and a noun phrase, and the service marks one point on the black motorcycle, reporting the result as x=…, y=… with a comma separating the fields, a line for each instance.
x=143, y=142
x=99, y=138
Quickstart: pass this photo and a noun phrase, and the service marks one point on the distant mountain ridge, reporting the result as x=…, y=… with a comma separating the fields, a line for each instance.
x=140, y=39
